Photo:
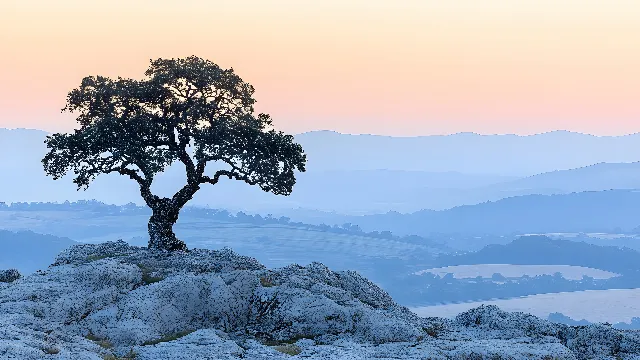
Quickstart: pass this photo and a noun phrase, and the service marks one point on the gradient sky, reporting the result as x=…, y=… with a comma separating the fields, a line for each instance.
x=394, y=67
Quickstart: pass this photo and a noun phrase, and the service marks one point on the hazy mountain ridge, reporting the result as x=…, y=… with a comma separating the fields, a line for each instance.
x=380, y=174
x=591, y=211
x=600, y=176
x=469, y=152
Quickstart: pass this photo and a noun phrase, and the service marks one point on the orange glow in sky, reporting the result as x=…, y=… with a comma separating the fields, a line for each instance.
x=403, y=67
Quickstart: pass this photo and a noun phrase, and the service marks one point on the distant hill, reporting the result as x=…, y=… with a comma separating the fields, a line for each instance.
x=468, y=152
x=379, y=191
x=22, y=179
x=28, y=251
x=366, y=174
x=601, y=176
x=591, y=211
x=542, y=250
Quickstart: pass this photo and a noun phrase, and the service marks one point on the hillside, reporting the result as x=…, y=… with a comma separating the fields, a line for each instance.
x=529, y=265
x=366, y=174
x=592, y=211
x=542, y=250
x=274, y=242
x=353, y=191
x=468, y=152
x=28, y=251
x=597, y=177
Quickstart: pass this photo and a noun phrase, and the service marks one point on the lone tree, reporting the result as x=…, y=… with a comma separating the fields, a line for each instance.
x=187, y=110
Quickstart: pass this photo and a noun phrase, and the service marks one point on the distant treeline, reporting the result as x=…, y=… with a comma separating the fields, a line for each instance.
x=97, y=208
x=542, y=250
x=430, y=289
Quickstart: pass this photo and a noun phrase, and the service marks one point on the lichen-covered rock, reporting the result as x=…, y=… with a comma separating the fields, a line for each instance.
x=196, y=260
x=314, y=276
x=11, y=275
x=598, y=340
x=491, y=320
x=117, y=299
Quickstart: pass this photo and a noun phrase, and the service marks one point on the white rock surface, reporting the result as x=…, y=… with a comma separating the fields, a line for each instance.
x=112, y=299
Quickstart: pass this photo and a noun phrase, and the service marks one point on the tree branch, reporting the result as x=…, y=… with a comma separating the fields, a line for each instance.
x=145, y=184
x=122, y=170
x=230, y=174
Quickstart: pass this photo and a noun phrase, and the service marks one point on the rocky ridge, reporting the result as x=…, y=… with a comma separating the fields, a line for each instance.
x=116, y=301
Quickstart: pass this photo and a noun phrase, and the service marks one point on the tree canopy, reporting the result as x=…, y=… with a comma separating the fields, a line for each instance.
x=187, y=110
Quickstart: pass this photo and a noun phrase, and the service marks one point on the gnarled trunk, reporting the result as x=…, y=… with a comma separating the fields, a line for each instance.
x=160, y=227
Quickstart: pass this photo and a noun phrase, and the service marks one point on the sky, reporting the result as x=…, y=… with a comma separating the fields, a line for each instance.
x=400, y=68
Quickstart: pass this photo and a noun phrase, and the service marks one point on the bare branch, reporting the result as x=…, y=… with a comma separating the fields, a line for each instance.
x=230, y=174
x=145, y=184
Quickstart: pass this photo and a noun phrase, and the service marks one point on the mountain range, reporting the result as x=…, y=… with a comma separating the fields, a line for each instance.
x=367, y=174
x=611, y=211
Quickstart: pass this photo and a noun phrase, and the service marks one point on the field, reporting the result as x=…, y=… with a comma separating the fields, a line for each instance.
x=515, y=271
x=615, y=305
x=274, y=245
x=380, y=260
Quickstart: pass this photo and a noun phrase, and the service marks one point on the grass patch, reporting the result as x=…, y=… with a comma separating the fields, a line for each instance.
x=102, y=342
x=289, y=349
x=105, y=344
x=434, y=329
x=131, y=355
x=169, y=337
x=266, y=282
x=92, y=337
x=147, y=278
x=287, y=343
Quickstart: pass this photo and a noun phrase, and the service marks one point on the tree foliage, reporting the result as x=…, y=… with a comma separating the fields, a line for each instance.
x=138, y=128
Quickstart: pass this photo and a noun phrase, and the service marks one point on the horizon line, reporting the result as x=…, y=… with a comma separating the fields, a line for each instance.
x=468, y=133
x=408, y=136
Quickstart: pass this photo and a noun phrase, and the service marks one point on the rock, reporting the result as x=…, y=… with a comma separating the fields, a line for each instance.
x=116, y=299
x=10, y=275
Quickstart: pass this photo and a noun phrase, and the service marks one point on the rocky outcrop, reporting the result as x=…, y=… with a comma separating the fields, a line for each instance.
x=113, y=299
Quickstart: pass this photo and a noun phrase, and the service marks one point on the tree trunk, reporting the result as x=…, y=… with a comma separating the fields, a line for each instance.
x=161, y=223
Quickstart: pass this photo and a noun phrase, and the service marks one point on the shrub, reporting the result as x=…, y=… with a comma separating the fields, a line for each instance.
x=147, y=278
x=266, y=282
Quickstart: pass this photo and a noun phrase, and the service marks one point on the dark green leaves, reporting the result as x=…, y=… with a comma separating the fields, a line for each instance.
x=139, y=127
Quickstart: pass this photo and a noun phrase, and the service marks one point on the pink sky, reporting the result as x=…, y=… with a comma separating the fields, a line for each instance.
x=405, y=67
